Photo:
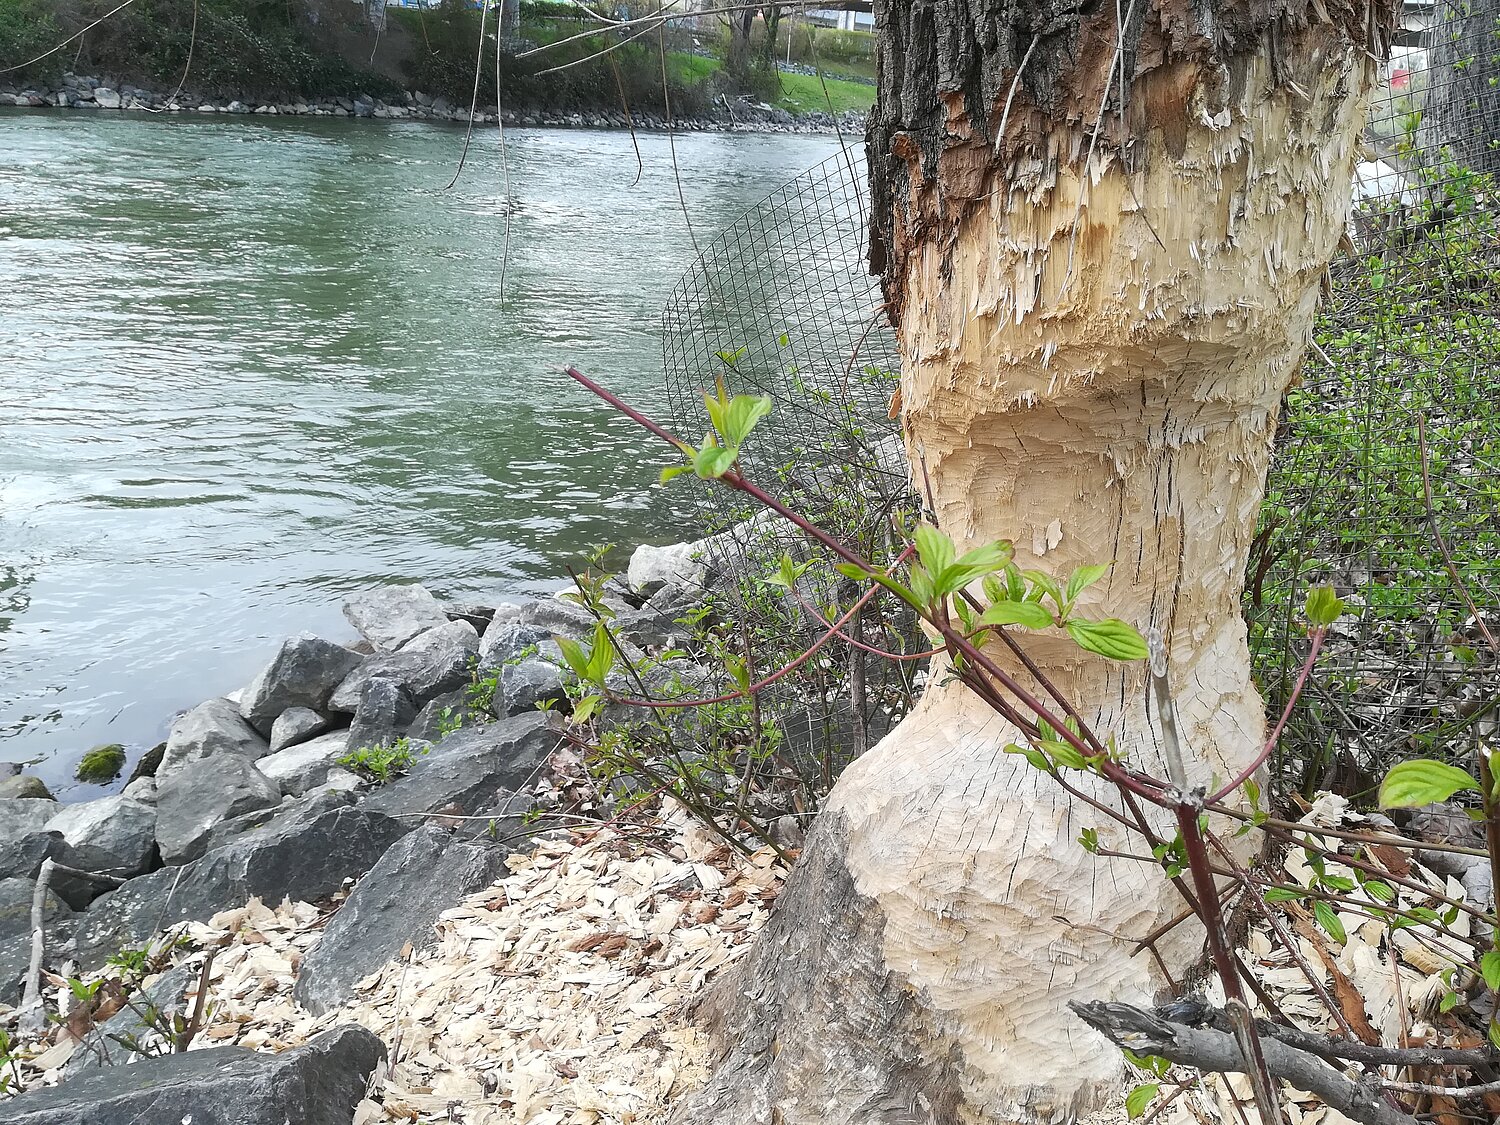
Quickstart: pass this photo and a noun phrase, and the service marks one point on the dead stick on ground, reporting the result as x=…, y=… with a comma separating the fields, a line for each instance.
x=33, y=1016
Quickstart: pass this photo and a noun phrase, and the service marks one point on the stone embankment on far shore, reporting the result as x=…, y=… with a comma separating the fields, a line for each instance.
x=73, y=91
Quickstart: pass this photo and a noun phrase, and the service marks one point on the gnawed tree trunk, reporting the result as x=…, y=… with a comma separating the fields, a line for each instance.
x=1098, y=320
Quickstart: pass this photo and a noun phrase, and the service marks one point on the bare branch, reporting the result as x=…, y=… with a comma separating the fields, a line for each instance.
x=1217, y=1052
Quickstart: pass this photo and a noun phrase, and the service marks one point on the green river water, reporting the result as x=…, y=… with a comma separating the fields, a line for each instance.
x=247, y=366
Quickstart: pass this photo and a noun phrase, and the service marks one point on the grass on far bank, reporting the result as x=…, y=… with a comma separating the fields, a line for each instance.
x=803, y=93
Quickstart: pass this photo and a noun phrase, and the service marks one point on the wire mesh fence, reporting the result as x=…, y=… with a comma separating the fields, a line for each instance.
x=782, y=305
x=1387, y=476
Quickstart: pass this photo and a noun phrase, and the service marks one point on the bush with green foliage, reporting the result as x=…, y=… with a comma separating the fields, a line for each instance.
x=240, y=48
x=27, y=28
x=446, y=41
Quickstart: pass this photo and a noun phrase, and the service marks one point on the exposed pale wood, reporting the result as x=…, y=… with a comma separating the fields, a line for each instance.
x=1104, y=391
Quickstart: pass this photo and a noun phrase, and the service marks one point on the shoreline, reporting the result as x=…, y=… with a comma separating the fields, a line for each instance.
x=80, y=92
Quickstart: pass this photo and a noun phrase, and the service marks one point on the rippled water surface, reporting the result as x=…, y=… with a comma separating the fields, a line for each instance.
x=248, y=366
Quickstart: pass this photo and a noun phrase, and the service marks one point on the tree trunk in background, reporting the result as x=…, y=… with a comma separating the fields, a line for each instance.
x=1098, y=319
x=1462, y=110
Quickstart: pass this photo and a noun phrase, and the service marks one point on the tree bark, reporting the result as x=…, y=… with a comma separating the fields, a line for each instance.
x=1098, y=315
x=1461, y=117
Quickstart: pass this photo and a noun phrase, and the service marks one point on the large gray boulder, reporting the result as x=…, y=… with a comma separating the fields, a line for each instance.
x=506, y=642
x=22, y=858
x=419, y=877
x=449, y=710
x=21, y=816
x=465, y=770
x=525, y=684
x=432, y=664
x=16, y=895
x=303, y=674
x=297, y=724
x=384, y=711
x=306, y=765
x=392, y=615
x=305, y=856
x=191, y=802
x=209, y=730
x=119, y=826
x=675, y=565
x=318, y=1083
x=24, y=785
x=553, y=616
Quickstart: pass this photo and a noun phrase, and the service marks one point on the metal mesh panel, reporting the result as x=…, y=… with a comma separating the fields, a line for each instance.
x=781, y=304
x=1406, y=370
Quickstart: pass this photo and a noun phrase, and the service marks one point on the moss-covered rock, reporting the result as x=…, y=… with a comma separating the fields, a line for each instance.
x=101, y=764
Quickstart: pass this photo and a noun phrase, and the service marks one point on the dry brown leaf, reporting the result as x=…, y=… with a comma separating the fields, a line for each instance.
x=1348, y=998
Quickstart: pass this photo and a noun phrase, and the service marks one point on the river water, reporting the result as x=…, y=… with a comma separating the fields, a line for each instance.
x=248, y=366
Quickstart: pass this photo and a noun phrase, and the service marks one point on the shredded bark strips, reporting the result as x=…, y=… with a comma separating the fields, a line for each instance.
x=1066, y=82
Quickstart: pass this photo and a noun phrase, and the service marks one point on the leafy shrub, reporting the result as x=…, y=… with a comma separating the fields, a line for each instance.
x=445, y=45
x=27, y=28
x=382, y=764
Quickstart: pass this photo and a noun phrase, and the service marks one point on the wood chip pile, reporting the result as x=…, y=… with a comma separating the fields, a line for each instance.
x=559, y=996
x=556, y=996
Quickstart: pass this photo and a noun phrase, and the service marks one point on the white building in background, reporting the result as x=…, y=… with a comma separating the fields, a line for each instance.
x=856, y=17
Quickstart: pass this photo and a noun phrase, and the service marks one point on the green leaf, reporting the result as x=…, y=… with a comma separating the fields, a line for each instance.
x=1283, y=894
x=585, y=708
x=731, y=357
x=850, y=570
x=743, y=415
x=1494, y=1034
x=1035, y=757
x=784, y=340
x=713, y=461
x=1329, y=920
x=1422, y=782
x=671, y=472
x=1089, y=838
x=987, y=559
x=934, y=548
x=965, y=614
x=1138, y=1099
x=922, y=586
x=1379, y=891
x=1084, y=577
x=601, y=655
x=1029, y=614
x=1448, y=1002
x=1489, y=969
x=1323, y=606
x=1065, y=755
x=993, y=591
x=573, y=653
x=788, y=572
x=1043, y=583
x=1111, y=637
